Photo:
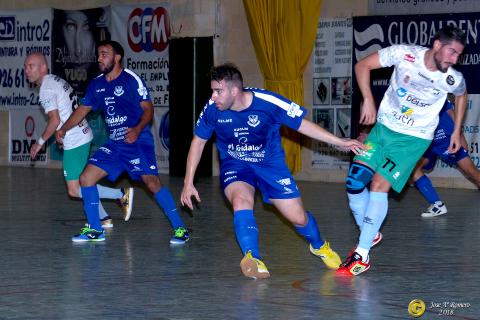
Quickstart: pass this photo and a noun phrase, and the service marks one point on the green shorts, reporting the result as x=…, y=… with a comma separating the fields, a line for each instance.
x=74, y=161
x=393, y=155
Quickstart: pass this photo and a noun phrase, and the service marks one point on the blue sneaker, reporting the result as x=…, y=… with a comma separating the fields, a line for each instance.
x=87, y=234
x=180, y=236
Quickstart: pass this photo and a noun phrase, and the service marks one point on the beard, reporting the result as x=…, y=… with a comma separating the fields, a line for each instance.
x=438, y=64
x=107, y=68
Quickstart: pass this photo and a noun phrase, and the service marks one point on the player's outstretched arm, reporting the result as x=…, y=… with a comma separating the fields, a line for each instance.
x=193, y=158
x=316, y=132
x=52, y=125
x=368, y=112
x=78, y=115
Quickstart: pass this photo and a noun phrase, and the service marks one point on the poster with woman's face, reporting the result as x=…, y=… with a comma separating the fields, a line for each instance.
x=75, y=36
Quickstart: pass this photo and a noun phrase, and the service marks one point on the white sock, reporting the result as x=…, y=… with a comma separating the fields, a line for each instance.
x=363, y=252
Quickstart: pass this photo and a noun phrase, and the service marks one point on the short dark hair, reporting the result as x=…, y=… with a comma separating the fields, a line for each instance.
x=228, y=72
x=450, y=33
x=117, y=47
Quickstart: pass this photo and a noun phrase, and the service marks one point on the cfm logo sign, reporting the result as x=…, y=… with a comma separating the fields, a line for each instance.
x=148, y=29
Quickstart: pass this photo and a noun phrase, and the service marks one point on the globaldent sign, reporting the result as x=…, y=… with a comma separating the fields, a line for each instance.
x=373, y=33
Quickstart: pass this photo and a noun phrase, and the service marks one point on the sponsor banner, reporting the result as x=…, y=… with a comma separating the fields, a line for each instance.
x=371, y=34
x=21, y=32
x=75, y=36
x=379, y=7
x=26, y=125
x=144, y=31
x=332, y=91
x=161, y=134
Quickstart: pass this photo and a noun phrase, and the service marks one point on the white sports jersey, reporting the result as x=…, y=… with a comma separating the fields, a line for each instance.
x=56, y=93
x=416, y=95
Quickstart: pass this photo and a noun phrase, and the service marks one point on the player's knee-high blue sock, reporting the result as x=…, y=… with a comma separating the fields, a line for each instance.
x=358, y=205
x=374, y=216
x=310, y=232
x=166, y=202
x=102, y=214
x=246, y=230
x=109, y=193
x=359, y=176
x=90, y=205
x=424, y=185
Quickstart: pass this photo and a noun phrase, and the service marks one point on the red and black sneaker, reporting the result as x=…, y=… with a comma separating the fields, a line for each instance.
x=353, y=266
x=375, y=241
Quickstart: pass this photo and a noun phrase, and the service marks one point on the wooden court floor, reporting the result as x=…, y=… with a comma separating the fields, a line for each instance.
x=136, y=274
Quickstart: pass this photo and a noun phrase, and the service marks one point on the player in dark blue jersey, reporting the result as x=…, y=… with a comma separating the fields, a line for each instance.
x=246, y=122
x=126, y=105
x=439, y=149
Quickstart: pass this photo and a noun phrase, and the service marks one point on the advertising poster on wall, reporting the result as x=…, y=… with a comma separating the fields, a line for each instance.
x=161, y=134
x=26, y=125
x=332, y=90
x=144, y=31
x=21, y=32
x=75, y=36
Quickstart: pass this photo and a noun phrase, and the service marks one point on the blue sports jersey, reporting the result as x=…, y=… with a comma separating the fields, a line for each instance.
x=441, y=141
x=119, y=100
x=445, y=124
x=251, y=135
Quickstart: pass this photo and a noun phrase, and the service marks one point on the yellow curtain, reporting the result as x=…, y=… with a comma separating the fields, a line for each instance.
x=283, y=33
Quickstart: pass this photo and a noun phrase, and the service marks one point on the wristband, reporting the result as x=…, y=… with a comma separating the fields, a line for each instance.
x=40, y=141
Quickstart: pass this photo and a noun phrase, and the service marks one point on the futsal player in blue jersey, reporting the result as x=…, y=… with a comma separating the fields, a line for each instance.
x=246, y=122
x=439, y=149
x=126, y=105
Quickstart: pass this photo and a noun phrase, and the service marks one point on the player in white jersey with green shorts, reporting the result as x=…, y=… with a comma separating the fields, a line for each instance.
x=58, y=100
x=406, y=120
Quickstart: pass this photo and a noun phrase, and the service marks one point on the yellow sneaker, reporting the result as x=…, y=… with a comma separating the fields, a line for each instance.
x=328, y=256
x=253, y=267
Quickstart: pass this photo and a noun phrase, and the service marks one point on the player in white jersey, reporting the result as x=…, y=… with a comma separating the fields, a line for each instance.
x=58, y=100
x=406, y=121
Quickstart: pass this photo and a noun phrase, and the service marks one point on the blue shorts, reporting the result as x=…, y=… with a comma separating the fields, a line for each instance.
x=274, y=180
x=441, y=141
x=440, y=150
x=135, y=159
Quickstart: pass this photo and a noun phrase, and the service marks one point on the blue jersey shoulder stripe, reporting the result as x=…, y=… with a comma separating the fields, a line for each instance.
x=142, y=90
x=293, y=109
x=135, y=76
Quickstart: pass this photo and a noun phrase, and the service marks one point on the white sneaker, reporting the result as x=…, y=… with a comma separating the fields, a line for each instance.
x=107, y=223
x=126, y=201
x=436, y=209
